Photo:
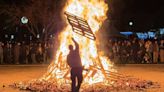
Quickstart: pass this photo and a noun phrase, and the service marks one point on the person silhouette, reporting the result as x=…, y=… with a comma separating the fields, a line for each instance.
x=74, y=61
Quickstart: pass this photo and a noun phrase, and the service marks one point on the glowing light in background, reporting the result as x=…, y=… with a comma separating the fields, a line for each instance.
x=24, y=20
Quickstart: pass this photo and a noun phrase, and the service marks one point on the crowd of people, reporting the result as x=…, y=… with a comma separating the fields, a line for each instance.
x=136, y=51
x=120, y=51
x=23, y=53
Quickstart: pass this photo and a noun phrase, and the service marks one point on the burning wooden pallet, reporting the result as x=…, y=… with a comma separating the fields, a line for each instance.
x=80, y=26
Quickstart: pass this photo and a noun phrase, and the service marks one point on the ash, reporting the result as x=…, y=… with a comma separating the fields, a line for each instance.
x=112, y=85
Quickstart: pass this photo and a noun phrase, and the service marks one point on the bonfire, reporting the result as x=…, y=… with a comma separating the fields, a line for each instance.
x=85, y=17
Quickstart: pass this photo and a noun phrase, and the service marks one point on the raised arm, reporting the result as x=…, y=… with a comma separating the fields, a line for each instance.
x=76, y=44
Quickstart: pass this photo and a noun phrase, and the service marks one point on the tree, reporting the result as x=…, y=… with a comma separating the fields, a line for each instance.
x=45, y=16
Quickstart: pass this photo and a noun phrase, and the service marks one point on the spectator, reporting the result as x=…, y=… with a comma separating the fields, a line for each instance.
x=162, y=51
x=135, y=49
x=155, y=52
x=115, y=52
x=23, y=54
x=7, y=54
x=16, y=53
x=33, y=54
x=129, y=52
x=45, y=53
x=39, y=54
x=141, y=52
x=150, y=51
x=50, y=52
x=27, y=54
x=1, y=53
x=30, y=54
x=123, y=53
x=10, y=54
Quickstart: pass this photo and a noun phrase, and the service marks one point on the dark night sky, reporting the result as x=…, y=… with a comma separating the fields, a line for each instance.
x=145, y=14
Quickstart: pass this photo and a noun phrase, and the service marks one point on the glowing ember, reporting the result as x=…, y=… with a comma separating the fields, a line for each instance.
x=94, y=11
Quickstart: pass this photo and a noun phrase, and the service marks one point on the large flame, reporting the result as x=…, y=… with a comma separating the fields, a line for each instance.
x=94, y=11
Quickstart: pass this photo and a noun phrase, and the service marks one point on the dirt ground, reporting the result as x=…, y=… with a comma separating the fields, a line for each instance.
x=10, y=74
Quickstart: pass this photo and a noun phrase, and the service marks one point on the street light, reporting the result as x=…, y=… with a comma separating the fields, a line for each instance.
x=24, y=20
x=131, y=23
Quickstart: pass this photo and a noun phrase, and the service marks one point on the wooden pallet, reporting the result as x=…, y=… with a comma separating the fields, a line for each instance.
x=80, y=26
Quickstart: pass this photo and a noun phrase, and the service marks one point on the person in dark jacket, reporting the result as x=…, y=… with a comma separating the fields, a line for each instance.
x=135, y=49
x=16, y=53
x=8, y=54
x=74, y=61
x=1, y=53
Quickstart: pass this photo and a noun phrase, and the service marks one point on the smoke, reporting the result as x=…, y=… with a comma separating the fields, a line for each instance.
x=59, y=14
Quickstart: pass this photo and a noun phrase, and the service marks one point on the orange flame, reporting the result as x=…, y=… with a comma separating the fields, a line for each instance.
x=94, y=11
